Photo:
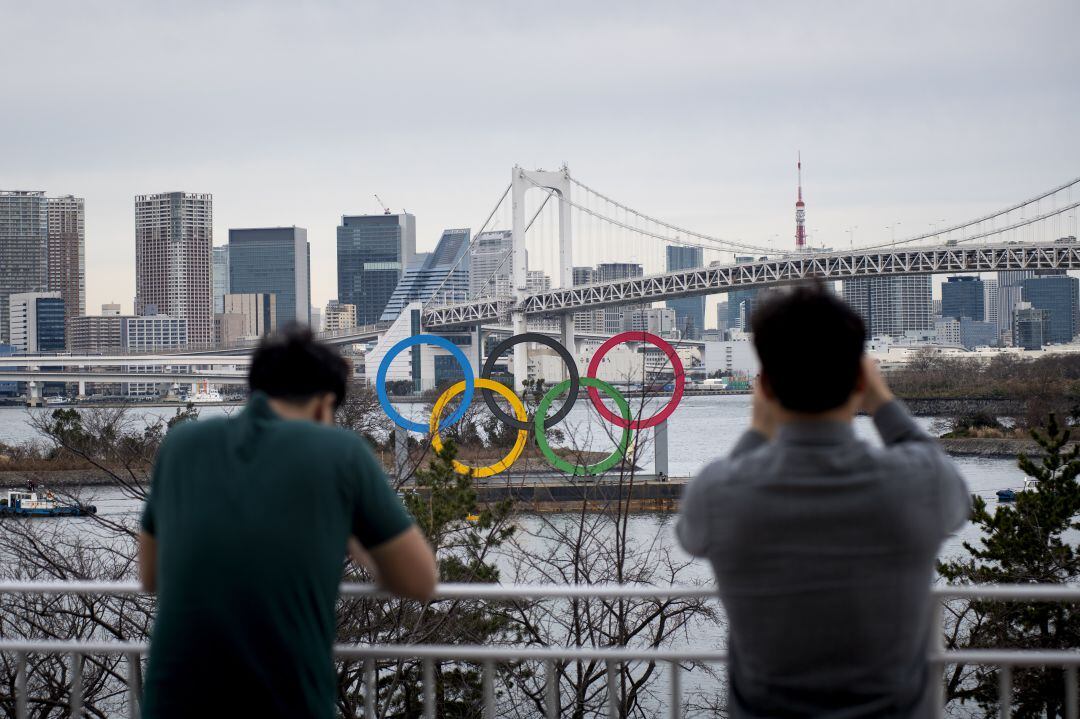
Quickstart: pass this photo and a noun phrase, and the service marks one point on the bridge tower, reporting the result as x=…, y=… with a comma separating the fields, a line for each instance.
x=521, y=182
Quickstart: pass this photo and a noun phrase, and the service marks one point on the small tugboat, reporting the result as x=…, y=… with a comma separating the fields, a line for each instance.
x=29, y=503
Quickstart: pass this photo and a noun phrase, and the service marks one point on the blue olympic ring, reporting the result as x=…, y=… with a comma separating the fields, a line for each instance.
x=422, y=339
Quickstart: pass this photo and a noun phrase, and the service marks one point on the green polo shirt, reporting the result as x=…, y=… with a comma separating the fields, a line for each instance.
x=251, y=516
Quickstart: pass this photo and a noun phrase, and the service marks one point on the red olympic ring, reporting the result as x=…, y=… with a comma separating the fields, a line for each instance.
x=676, y=365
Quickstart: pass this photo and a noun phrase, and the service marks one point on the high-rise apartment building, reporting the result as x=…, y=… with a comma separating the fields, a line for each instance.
x=96, y=333
x=173, y=248
x=66, y=250
x=220, y=277
x=892, y=305
x=372, y=254
x=445, y=269
x=273, y=260
x=689, y=311
x=1059, y=295
x=592, y=321
x=963, y=296
x=607, y=271
x=37, y=322
x=338, y=316
x=24, y=228
x=490, y=264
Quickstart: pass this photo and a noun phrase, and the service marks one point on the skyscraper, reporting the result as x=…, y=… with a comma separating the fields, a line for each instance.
x=372, y=254
x=962, y=296
x=273, y=260
x=447, y=267
x=990, y=304
x=24, y=224
x=689, y=311
x=1059, y=295
x=591, y=321
x=67, y=253
x=174, y=236
x=605, y=272
x=490, y=264
x=220, y=277
x=892, y=305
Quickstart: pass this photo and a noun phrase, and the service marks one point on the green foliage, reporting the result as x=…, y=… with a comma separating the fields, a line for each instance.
x=1031, y=542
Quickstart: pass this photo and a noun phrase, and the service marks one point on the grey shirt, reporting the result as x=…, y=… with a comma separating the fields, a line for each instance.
x=824, y=547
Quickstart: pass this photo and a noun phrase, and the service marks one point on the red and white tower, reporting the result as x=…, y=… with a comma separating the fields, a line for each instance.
x=800, y=212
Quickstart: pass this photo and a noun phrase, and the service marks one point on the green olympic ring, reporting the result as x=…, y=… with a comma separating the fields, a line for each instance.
x=558, y=462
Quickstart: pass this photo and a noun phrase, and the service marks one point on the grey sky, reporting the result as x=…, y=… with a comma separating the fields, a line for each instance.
x=293, y=113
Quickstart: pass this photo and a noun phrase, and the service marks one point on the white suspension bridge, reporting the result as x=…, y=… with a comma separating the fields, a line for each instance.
x=556, y=224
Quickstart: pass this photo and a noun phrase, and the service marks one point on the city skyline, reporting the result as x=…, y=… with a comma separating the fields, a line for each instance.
x=901, y=119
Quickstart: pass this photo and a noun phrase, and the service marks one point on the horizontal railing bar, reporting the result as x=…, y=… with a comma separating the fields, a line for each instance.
x=483, y=653
x=1030, y=592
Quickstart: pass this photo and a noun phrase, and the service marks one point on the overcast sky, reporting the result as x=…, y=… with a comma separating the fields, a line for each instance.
x=293, y=113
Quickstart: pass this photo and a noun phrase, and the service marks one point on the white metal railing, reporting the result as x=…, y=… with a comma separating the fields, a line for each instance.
x=489, y=656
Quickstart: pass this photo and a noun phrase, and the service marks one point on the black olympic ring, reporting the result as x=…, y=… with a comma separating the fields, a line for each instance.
x=564, y=354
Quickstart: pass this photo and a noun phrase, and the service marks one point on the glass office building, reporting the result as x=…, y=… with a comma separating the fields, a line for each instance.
x=963, y=296
x=275, y=261
x=37, y=322
x=372, y=254
x=446, y=269
x=1059, y=295
x=24, y=227
x=221, y=277
x=689, y=311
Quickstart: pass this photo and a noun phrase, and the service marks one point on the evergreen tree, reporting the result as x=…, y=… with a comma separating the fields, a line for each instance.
x=1028, y=543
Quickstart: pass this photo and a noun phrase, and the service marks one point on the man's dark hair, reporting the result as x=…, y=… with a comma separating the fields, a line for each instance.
x=291, y=365
x=810, y=343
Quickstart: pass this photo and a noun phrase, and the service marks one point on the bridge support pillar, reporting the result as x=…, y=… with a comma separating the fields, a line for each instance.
x=477, y=354
x=82, y=390
x=401, y=451
x=660, y=449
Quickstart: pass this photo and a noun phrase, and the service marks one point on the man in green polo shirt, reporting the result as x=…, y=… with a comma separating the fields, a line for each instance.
x=243, y=539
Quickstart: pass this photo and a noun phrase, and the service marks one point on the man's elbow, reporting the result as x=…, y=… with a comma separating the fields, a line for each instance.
x=420, y=587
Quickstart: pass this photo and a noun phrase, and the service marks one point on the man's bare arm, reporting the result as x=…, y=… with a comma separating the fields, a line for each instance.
x=404, y=565
x=148, y=561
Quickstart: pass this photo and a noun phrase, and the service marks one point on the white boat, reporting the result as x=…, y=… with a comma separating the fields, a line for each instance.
x=56, y=400
x=205, y=395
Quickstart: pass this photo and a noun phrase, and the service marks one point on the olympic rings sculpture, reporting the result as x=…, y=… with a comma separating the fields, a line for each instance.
x=539, y=423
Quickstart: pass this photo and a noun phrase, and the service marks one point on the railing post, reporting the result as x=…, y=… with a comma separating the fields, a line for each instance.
x=936, y=670
x=551, y=690
x=612, y=692
x=369, y=688
x=429, y=688
x=1005, y=692
x=676, y=691
x=76, y=685
x=20, y=685
x=489, y=689
x=134, y=684
x=1071, y=690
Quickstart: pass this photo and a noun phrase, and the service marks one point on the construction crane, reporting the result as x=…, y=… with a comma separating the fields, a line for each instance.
x=385, y=209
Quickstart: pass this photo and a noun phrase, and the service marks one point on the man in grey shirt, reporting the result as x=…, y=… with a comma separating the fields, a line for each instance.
x=822, y=544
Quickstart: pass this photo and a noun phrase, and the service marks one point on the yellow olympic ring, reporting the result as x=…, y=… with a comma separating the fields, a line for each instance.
x=515, y=404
